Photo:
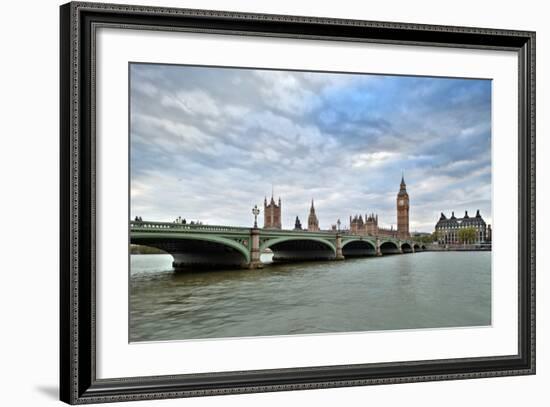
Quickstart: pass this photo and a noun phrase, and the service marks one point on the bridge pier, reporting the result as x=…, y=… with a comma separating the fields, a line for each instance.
x=339, y=254
x=255, y=262
x=378, y=250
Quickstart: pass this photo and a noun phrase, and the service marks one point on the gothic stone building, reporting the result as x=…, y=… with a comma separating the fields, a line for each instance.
x=447, y=228
x=369, y=226
x=312, y=220
x=272, y=214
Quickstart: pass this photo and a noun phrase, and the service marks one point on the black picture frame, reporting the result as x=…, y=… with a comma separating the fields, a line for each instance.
x=78, y=382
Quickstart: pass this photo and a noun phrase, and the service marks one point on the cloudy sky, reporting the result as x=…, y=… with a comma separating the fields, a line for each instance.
x=209, y=143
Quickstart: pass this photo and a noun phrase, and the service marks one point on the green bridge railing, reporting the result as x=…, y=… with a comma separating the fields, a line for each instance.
x=177, y=227
x=147, y=225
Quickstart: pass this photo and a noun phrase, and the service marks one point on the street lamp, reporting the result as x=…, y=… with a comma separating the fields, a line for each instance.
x=338, y=223
x=255, y=212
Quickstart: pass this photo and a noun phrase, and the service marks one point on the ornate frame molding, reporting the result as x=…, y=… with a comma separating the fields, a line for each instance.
x=78, y=382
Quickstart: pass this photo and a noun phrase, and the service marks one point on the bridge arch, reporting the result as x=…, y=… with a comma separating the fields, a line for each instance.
x=298, y=248
x=417, y=247
x=406, y=247
x=196, y=250
x=389, y=247
x=358, y=248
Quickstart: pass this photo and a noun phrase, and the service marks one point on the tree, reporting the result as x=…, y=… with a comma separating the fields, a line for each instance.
x=426, y=239
x=467, y=235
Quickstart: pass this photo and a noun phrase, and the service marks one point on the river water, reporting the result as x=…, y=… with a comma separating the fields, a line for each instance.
x=411, y=291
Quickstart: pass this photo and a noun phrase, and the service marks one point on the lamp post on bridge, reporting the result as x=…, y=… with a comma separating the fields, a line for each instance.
x=255, y=212
x=255, y=261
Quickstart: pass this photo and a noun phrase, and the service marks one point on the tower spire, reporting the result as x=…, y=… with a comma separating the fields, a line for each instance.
x=312, y=221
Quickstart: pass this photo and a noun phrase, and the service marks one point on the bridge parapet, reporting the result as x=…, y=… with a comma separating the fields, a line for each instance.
x=144, y=225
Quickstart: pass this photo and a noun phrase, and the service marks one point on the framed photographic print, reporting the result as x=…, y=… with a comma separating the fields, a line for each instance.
x=255, y=203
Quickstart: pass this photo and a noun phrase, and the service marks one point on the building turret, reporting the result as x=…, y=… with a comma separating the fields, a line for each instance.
x=272, y=214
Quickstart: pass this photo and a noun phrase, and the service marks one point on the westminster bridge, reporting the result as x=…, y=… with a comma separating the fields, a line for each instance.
x=207, y=245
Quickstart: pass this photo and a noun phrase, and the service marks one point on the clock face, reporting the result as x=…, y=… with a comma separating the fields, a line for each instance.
x=401, y=202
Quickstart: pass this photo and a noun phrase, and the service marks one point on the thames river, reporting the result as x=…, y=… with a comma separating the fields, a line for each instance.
x=410, y=291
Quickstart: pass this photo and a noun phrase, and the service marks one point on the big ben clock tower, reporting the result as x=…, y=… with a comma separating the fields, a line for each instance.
x=403, y=211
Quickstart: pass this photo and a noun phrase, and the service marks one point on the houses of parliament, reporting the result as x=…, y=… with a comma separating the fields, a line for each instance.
x=357, y=224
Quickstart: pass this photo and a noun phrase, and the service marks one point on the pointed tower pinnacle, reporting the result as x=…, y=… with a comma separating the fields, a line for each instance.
x=312, y=221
